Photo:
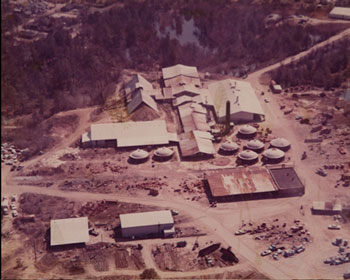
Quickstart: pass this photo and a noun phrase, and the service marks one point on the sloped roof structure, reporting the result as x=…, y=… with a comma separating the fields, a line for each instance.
x=240, y=94
x=141, y=97
x=137, y=82
x=180, y=69
x=129, y=134
x=144, y=219
x=195, y=142
x=193, y=117
x=69, y=231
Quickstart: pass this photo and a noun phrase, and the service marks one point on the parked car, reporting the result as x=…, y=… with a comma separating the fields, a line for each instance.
x=321, y=172
x=240, y=232
x=265, y=253
x=14, y=213
x=14, y=197
x=13, y=206
x=333, y=226
x=93, y=232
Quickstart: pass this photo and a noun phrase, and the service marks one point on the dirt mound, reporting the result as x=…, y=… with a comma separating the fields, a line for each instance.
x=144, y=113
x=47, y=207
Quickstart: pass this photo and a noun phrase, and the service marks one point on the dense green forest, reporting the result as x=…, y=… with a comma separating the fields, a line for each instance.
x=60, y=72
x=327, y=67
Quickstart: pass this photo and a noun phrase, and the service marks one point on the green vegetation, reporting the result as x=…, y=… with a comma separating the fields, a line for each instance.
x=327, y=67
x=60, y=72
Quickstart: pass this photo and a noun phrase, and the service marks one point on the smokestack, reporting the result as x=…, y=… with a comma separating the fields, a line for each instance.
x=228, y=113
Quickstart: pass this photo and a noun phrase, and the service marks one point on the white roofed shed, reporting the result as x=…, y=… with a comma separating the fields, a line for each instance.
x=69, y=231
x=146, y=223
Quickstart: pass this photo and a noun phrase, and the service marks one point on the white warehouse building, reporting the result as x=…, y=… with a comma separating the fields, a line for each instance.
x=147, y=223
x=244, y=104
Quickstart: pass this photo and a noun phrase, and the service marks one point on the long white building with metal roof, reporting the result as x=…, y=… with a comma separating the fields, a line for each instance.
x=147, y=223
x=127, y=134
x=244, y=104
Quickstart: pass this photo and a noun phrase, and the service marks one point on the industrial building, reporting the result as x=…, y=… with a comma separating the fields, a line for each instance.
x=147, y=224
x=340, y=13
x=196, y=143
x=69, y=231
x=237, y=184
x=287, y=181
x=141, y=98
x=180, y=75
x=326, y=208
x=127, y=134
x=193, y=117
x=244, y=105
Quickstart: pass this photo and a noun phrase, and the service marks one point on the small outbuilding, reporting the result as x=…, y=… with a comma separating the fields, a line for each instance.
x=340, y=13
x=144, y=224
x=163, y=153
x=139, y=155
x=273, y=155
x=69, y=231
x=255, y=145
x=248, y=156
x=229, y=147
x=280, y=143
x=247, y=131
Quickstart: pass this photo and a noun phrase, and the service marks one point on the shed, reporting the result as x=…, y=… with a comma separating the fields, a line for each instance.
x=340, y=13
x=196, y=143
x=69, y=231
x=146, y=223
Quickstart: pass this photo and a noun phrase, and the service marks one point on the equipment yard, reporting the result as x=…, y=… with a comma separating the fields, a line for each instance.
x=170, y=179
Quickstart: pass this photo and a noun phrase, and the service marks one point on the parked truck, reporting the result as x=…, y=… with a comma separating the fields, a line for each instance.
x=5, y=206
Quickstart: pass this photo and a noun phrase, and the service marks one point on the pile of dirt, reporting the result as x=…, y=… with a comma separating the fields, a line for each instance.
x=107, y=212
x=46, y=207
x=47, y=262
x=144, y=113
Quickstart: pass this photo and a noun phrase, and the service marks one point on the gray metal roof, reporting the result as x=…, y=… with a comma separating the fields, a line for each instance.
x=139, y=98
x=195, y=142
x=241, y=95
x=136, y=82
x=146, y=219
x=69, y=231
x=130, y=134
x=193, y=118
x=179, y=69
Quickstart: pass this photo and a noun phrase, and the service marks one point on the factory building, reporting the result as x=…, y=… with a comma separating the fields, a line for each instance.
x=180, y=75
x=244, y=105
x=239, y=184
x=127, y=134
x=147, y=224
x=196, y=143
x=340, y=13
x=69, y=231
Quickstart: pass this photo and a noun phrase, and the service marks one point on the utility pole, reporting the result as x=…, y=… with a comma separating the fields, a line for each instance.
x=34, y=250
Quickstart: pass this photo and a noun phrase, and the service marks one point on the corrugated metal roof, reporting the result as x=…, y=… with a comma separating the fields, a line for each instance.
x=69, y=231
x=240, y=94
x=190, y=90
x=136, y=82
x=193, y=118
x=240, y=181
x=139, y=98
x=146, y=219
x=130, y=134
x=195, y=142
x=180, y=69
x=182, y=80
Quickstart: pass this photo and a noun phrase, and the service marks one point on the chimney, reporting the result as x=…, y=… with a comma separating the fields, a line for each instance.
x=228, y=113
